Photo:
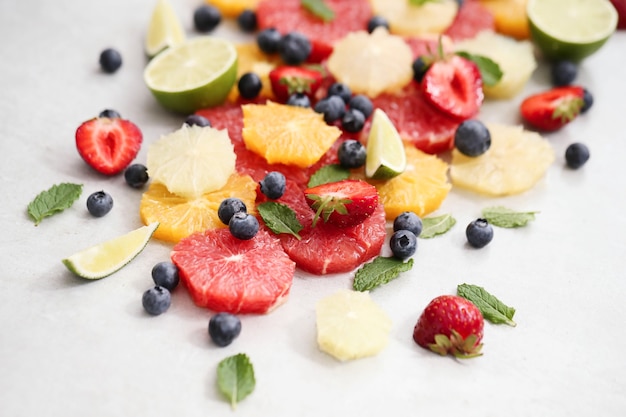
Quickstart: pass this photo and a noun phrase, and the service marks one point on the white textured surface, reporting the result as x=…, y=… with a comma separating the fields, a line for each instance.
x=70, y=347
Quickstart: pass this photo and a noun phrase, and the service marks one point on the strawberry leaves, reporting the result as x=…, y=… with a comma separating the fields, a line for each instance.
x=457, y=346
x=319, y=8
x=324, y=206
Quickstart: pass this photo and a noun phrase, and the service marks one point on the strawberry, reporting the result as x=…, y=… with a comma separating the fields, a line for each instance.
x=450, y=324
x=342, y=203
x=287, y=79
x=551, y=110
x=454, y=85
x=108, y=145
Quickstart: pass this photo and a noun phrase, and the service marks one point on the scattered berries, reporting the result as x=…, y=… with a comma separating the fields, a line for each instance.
x=273, y=185
x=299, y=100
x=197, y=120
x=353, y=121
x=341, y=90
x=294, y=48
x=375, y=22
x=479, y=233
x=249, y=85
x=206, y=18
x=420, y=66
x=99, y=203
x=247, y=21
x=224, y=328
x=228, y=207
x=243, y=226
x=156, y=300
x=408, y=221
x=165, y=274
x=333, y=108
x=110, y=113
x=576, y=155
x=563, y=73
x=361, y=103
x=403, y=244
x=136, y=175
x=110, y=60
x=268, y=40
x=587, y=101
x=351, y=154
x=472, y=138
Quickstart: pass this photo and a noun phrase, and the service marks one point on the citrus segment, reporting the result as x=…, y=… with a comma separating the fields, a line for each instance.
x=372, y=63
x=233, y=8
x=252, y=59
x=510, y=17
x=571, y=29
x=385, y=151
x=192, y=161
x=515, y=162
x=108, y=257
x=164, y=29
x=195, y=74
x=226, y=274
x=285, y=134
x=408, y=19
x=180, y=217
x=350, y=325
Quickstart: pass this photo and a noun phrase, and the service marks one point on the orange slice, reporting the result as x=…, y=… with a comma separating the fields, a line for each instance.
x=232, y=8
x=510, y=17
x=287, y=135
x=251, y=59
x=179, y=217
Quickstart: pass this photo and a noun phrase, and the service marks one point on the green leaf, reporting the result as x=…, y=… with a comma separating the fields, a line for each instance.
x=328, y=173
x=492, y=309
x=504, y=217
x=433, y=226
x=379, y=272
x=53, y=200
x=280, y=218
x=421, y=2
x=489, y=69
x=319, y=8
x=235, y=378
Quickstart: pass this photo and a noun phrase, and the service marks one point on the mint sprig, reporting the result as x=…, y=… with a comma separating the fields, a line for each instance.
x=433, y=226
x=507, y=218
x=327, y=174
x=490, y=71
x=379, y=272
x=421, y=2
x=53, y=200
x=280, y=218
x=491, y=307
x=235, y=378
x=319, y=8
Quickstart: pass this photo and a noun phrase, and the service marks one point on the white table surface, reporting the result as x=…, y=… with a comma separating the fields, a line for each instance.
x=69, y=347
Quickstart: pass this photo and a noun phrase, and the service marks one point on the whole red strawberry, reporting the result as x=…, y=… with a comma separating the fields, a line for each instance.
x=286, y=80
x=108, y=145
x=551, y=110
x=450, y=324
x=343, y=203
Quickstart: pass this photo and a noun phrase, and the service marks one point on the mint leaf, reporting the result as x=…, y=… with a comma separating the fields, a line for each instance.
x=504, y=217
x=53, y=200
x=433, y=226
x=280, y=218
x=489, y=69
x=328, y=173
x=235, y=378
x=492, y=309
x=421, y=2
x=379, y=272
x=319, y=9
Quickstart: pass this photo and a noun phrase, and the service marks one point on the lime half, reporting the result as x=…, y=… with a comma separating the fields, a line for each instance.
x=195, y=74
x=570, y=29
x=164, y=29
x=108, y=257
x=385, y=149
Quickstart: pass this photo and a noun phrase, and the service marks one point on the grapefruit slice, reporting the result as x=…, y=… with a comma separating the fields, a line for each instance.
x=471, y=19
x=226, y=274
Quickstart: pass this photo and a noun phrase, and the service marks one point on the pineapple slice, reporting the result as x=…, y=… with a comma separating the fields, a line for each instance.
x=515, y=162
x=515, y=58
x=407, y=19
x=351, y=326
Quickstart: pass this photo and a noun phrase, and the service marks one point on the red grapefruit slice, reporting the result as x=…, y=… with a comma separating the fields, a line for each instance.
x=226, y=274
x=471, y=19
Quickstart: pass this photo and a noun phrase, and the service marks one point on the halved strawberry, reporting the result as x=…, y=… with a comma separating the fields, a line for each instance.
x=287, y=79
x=454, y=86
x=553, y=109
x=343, y=203
x=108, y=145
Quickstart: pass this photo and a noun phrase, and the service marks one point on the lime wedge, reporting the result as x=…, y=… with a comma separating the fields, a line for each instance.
x=195, y=74
x=108, y=257
x=385, y=150
x=570, y=29
x=164, y=29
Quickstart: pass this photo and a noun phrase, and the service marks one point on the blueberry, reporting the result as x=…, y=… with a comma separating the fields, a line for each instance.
x=361, y=103
x=273, y=185
x=206, y=18
x=228, y=207
x=165, y=274
x=341, y=90
x=197, y=120
x=403, y=244
x=479, y=233
x=99, y=203
x=353, y=121
x=420, y=66
x=377, y=21
x=332, y=107
x=110, y=60
x=576, y=155
x=243, y=226
x=136, y=175
x=472, y=138
x=299, y=100
x=268, y=40
x=156, y=300
x=563, y=73
x=408, y=221
x=249, y=85
x=587, y=101
x=351, y=154
x=224, y=328
x=294, y=48
x=247, y=21
x=110, y=114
